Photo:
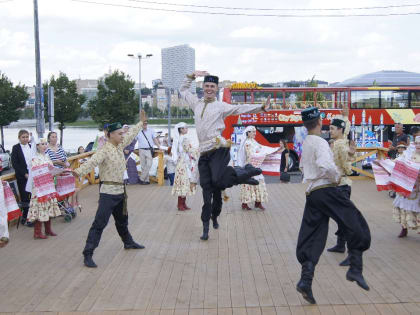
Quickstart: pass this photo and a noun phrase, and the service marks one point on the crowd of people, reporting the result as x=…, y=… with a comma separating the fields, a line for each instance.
x=325, y=167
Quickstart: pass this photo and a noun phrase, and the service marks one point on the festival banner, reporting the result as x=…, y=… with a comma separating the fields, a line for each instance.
x=13, y=210
x=66, y=185
x=404, y=177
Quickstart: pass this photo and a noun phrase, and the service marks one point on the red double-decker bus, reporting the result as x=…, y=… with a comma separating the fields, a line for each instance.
x=375, y=109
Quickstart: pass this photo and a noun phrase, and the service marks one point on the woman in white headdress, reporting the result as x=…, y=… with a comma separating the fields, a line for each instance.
x=251, y=152
x=186, y=173
x=43, y=205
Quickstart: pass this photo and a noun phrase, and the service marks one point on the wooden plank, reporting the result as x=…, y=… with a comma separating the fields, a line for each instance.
x=248, y=265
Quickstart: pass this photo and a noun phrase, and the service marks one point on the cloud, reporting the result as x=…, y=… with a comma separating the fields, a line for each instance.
x=86, y=40
x=254, y=32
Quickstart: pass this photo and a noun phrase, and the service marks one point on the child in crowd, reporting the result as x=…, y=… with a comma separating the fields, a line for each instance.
x=170, y=167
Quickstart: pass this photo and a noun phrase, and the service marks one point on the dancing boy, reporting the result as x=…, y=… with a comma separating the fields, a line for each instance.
x=323, y=201
x=215, y=174
x=112, y=197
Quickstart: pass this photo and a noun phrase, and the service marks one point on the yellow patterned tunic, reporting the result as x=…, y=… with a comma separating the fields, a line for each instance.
x=42, y=211
x=342, y=160
x=111, y=162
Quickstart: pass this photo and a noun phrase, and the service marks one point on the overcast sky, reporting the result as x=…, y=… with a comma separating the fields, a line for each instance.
x=86, y=40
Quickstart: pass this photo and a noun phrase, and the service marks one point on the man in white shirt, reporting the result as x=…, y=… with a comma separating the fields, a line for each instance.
x=146, y=139
x=215, y=174
x=324, y=201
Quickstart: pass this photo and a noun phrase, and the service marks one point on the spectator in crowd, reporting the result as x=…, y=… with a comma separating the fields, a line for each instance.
x=399, y=136
x=414, y=131
x=56, y=152
x=132, y=173
x=21, y=162
x=165, y=141
x=146, y=138
x=284, y=162
x=170, y=167
x=80, y=150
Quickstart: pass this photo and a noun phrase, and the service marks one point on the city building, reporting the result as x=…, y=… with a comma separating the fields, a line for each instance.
x=177, y=62
x=88, y=88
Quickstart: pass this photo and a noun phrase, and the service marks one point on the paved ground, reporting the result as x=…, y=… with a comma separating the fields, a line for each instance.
x=247, y=267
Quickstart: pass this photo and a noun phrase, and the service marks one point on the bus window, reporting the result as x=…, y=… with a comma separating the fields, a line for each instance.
x=415, y=99
x=365, y=99
x=273, y=134
x=394, y=99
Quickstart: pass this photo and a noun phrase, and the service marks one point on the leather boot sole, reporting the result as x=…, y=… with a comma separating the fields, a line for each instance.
x=358, y=279
x=310, y=299
x=336, y=249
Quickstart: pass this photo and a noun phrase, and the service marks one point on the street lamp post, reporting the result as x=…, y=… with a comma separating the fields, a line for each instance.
x=140, y=57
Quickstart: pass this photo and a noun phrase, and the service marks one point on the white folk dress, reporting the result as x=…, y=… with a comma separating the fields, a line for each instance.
x=42, y=211
x=407, y=209
x=186, y=171
x=252, y=193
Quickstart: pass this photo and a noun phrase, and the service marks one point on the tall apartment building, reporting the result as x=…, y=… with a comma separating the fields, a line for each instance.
x=176, y=63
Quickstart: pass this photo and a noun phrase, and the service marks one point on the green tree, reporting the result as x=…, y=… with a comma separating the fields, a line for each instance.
x=67, y=102
x=146, y=91
x=116, y=100
x=12, y=100
x=147, y=109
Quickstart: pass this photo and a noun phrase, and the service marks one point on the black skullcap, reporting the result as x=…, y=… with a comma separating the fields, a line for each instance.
x=339, y=123
x=114, y=126
x=310, y=113
x=211, y=79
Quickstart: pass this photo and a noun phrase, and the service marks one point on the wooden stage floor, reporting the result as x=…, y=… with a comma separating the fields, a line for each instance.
x=247, y=267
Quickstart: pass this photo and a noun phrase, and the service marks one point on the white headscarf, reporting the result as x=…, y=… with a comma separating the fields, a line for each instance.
x=177, y=140
x=34, y=151
x=241, y=152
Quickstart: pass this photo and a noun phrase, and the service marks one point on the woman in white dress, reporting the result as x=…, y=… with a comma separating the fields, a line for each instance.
x=407, y=209
x=251, y=152
x=186, y=173
x=45, y=208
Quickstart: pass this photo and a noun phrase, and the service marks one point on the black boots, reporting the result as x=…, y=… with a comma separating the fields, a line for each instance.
x=340, y=247
x=133, y=245
x=356, y=268
x=304, y=285
x=205, y=235
x=215, y=223
x=244, y=174
x=88, y=261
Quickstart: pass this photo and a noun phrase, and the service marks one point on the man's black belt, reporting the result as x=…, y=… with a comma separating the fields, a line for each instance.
x=145, y=148
x=111, y=183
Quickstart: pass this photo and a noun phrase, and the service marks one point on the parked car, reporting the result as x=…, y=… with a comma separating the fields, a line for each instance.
x=5, y=158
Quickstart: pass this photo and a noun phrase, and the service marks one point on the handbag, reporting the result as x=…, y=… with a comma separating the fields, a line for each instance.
x=150, y=147
x=285, y=177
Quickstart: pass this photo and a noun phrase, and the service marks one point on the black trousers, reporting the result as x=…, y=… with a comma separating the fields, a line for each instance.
x=108, y=204
x=321, y=205
x=215, y=176
x=25, y=197
x=346, y=190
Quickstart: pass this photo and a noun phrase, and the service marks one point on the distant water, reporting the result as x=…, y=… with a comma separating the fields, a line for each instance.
x=75, y=136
